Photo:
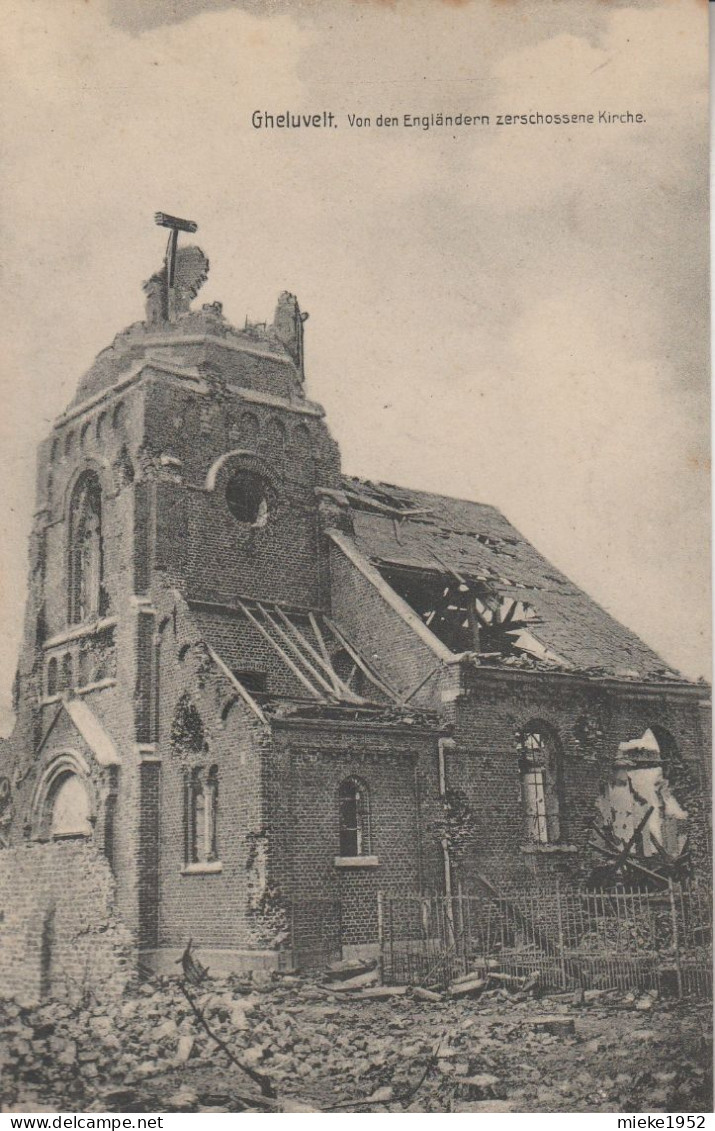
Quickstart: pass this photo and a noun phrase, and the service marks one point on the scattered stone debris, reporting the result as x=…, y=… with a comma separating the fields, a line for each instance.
x=555, y=1024
x=320, y=1049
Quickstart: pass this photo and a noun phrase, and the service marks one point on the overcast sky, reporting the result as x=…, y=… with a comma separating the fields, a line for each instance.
x=516, y=315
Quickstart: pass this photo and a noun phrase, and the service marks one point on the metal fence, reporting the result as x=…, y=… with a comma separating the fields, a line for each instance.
x=570, y=937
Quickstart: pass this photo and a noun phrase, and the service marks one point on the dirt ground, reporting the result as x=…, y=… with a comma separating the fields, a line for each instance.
x=327, y=1050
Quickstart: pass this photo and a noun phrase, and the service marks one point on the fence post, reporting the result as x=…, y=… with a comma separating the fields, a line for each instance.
x=676, y=938
x=461, y=941
x=562, y=960
x=381, y=933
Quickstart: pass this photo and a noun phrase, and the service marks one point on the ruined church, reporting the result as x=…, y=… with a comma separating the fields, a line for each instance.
x=254, y=692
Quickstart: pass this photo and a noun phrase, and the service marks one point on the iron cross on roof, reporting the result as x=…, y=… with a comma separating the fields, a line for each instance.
x=176, y=225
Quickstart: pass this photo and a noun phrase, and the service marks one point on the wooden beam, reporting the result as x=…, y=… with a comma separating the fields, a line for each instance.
x=421, y=683
x=319, y=636
x=338, y=685
x=355, y=656
x=625, y=850
x=283, y=655
x=317, y=675
x=247, y=698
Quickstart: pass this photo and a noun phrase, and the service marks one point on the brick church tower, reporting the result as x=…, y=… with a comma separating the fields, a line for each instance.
x=262, y=690
x=183, y=475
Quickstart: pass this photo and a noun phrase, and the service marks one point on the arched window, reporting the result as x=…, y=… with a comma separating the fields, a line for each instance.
x=354, y=814
x=540, y=767
x=202, y=815
x=70, y=808
x=301, y=439
x=85, y=542
x=276, y=436
x=249, y=428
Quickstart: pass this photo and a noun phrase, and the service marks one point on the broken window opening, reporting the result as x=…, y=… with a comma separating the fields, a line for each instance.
x=71, y=811
x=642, y=832
x=540, y=768
x=535, y=804
x=187, y=729
x=354, y=811
x=247, y=499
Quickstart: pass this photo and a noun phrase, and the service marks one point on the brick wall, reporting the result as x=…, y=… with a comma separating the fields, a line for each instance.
x=60, y=934
x=199, y=545
x=212, y=907
x=485, y=765
x=303, y=774
x=378, y=631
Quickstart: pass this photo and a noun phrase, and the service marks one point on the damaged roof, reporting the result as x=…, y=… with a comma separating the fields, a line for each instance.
x=400, y=528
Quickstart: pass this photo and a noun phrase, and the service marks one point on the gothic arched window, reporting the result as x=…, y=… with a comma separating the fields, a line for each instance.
x=85, y=549
x=540, y=767
x=354, y=811
x=202, y=815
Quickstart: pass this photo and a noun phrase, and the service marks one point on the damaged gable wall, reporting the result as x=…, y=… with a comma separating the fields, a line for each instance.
x=383, y=636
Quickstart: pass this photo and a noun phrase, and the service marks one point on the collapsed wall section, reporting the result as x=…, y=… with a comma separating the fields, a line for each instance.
x=60, y=935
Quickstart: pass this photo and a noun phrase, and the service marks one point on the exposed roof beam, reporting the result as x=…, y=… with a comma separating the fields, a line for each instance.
x=355, y=656
x=338, y=684
x=282, y=653
x=313, y=671
x=388, y=594
x=236, y=683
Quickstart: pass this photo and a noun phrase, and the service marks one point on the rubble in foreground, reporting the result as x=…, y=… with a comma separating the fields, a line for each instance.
x=323, y=1048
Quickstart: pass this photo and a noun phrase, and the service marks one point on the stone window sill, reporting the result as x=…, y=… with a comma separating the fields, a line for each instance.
x=356, y=861
x=202, y=868
x=548, y=849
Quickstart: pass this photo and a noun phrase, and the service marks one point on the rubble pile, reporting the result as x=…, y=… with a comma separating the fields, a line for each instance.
x=325, y=1045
